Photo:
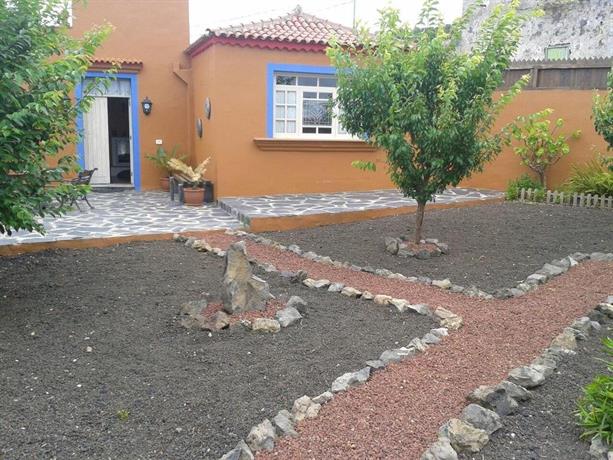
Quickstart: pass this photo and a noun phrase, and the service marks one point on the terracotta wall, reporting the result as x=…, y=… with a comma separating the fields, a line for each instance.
x=575, y=107
x=234, y=78
x=156, y=33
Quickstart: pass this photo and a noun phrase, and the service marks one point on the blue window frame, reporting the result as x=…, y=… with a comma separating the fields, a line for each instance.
x=274, y=69
x=134, y=107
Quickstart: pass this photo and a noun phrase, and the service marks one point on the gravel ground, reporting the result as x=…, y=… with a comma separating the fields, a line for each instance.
x=188, y=395
x=491, y=246
x=546, y=427
x=398, y=412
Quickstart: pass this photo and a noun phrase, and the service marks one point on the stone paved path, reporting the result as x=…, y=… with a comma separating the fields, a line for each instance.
x=139, y=213
x=126, y=213
x=320, y=203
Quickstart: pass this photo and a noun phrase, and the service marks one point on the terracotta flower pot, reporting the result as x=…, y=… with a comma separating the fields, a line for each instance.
x=164, y=182
x=193, y=196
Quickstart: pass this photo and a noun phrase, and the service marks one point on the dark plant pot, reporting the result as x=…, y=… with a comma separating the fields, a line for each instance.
x=193, y=196
x=165, y=184
x=209, y=192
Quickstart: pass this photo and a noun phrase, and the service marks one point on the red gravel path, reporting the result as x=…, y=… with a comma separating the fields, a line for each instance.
x=398, y=412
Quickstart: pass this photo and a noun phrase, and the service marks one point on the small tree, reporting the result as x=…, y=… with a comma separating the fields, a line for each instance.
x=603, y=113
x=40, y=66
x=413, y=93
x=538, y=145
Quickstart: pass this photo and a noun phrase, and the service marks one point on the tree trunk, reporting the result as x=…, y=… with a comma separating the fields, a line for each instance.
x=543, y=179
x=419, y=220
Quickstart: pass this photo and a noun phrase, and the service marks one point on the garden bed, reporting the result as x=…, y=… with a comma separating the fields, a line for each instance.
x=86, y=334
x=492, y=247
x=546, y=425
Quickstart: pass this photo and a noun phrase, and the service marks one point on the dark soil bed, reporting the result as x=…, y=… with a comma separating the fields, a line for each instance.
x=491, y=246
x=546, y=427
x=188, y=394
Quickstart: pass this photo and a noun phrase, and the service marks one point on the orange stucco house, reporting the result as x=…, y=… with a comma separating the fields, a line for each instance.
x=253, y=98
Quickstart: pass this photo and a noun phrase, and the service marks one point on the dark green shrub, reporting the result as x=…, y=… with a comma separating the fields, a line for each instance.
x=594, y=177
x=596, y=407
x=523, y=181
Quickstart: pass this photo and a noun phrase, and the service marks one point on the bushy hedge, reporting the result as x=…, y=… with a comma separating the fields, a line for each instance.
x=523, y=181
x=596, y=407
x=595, y=177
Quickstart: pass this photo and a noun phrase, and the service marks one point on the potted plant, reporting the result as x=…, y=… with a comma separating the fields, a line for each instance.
x=160, y=159
x=193, y=180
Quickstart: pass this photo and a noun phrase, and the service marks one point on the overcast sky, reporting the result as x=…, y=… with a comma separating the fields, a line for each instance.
x=210, y=14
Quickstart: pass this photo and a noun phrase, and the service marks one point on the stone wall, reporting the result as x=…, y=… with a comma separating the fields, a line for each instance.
x=586, y=25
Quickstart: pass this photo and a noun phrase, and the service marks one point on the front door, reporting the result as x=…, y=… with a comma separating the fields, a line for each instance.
x=107, y=133
x=96, y=141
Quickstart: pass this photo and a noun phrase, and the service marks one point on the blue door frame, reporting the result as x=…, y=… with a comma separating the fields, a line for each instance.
x=135, y=166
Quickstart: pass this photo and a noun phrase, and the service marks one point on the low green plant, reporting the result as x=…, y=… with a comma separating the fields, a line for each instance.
x=523, y=181
x=602, y=112
x=595, y=177
x=162, y=157
x=596, y=406
x=538, y=145
x=123, y=414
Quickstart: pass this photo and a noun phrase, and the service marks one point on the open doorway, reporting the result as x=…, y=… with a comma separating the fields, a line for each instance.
x=107, y=132
x=119, y=139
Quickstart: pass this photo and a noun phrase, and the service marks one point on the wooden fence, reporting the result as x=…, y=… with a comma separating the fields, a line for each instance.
x=582, y=200
x=560, y=74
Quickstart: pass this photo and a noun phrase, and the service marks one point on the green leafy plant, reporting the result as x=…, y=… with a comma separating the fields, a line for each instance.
x=523, y=181
x=40, y=67
x=595, y=177
x=537, y=143
x=602, y=113
x=596, y=406
x=162, y=157
x=123, y=414
x=430, y=106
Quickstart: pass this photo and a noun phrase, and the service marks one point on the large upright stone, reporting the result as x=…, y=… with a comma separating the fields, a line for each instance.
x=242, y=291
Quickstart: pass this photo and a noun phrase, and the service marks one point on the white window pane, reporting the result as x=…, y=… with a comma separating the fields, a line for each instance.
x=285, y=80
x=316, y=113
x=307, y=81
x=291, y=112
x=291, y=97
x=279, y=126
x=291, y=126
x=280, y=97
x=309, y=95
x=327, y=82
x=280, y=111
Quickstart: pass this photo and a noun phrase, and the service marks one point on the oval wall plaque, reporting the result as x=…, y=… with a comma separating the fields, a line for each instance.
x=207, y=108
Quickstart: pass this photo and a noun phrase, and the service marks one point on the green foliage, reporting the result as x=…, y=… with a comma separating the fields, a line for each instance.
x=40, y=66
x=523, y=181
x=596, y=407
x=123, y=415
x=161, y=158
x=428, y=104
x=602, y=113
x=595, y=177
x=537, y=144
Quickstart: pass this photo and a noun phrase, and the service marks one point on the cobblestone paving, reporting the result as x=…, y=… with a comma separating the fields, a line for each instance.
x=126, y=213
x=137, y=213
x=246, y=208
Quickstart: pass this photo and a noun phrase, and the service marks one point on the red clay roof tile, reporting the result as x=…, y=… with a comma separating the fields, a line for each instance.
x=295, y=27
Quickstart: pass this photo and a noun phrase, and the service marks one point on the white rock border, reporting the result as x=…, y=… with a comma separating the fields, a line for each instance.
x=263, y=435
x=549, y=270
x=471, y=432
